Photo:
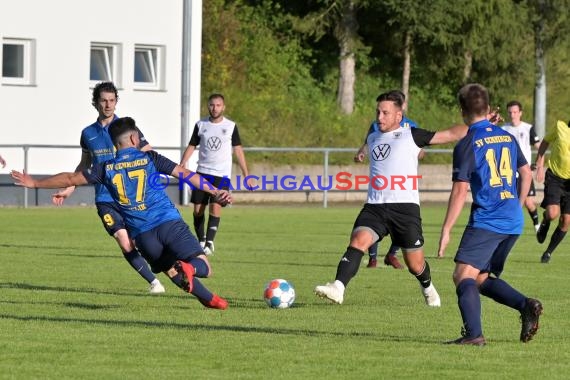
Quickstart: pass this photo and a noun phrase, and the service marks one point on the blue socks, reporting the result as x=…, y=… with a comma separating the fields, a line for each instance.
x=140, y=265
x=393, y=249
x=198, y=289
x=470, y=302
x=501, y=292
x=200, y=267
x=470, y=307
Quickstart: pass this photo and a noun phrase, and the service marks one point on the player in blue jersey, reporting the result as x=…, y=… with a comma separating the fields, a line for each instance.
x=390, y=259
x=486, y=160
x=132, y=179
x=97, y=147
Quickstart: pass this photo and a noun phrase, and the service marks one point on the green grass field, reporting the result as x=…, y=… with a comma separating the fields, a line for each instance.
x=72, y=308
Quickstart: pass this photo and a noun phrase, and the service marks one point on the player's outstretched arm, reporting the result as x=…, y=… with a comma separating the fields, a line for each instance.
x=454, y=207
x=53, y=182
x=59, y=197
x=223, y=197
x=452, y=134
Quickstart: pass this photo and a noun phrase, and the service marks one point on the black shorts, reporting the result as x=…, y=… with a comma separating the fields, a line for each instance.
x=556, y=192
x=111, y=217
x=201, y=197
x=402, y=221
x=165, y=244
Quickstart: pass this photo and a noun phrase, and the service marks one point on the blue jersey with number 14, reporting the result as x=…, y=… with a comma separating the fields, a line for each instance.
x=488, y=158
x=130, y=177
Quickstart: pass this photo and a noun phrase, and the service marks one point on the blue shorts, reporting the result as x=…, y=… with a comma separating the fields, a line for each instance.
x=164, y=245
x=485, y=250
x=111, y=217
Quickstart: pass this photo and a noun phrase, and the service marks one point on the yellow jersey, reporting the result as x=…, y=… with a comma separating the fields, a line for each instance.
x=558, y=139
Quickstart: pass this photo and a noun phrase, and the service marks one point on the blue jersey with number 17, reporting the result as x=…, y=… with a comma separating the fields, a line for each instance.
x=95, y=141
x=488, y=158
x=132, y=179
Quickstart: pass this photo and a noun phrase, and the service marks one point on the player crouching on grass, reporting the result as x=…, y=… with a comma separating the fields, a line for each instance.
x=154, y=223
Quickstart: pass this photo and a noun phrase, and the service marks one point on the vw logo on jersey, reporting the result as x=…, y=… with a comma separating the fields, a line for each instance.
x=381, y=152
x=214, y=143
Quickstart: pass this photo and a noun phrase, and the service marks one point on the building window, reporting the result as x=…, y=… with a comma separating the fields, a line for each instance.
x=18, y=66
x=149, y=67
x=104, y=63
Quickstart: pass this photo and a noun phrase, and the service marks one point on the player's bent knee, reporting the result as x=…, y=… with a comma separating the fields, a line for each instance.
x=205, y=259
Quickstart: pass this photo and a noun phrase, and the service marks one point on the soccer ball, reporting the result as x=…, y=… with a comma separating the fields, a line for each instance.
x=279, y=294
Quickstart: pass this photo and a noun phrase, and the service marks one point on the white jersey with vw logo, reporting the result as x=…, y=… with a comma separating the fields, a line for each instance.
x=525, y=136
x=394, y=165
x=216, y=141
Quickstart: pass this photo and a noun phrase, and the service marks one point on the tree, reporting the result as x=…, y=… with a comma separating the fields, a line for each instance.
x=408, y=21
x=550, y=21
x=338, y=17
x=346, y=33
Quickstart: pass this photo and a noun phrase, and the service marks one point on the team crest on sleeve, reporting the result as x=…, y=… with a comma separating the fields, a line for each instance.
x=381, y=152
x=214, y=143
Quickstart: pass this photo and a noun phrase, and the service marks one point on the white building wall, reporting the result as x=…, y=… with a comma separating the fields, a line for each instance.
x=58, y=106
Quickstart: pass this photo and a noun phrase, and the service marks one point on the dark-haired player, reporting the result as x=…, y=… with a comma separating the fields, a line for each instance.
x=391, y=258
x=391, y=208
x=217, y=137
x=155, y=224
x=97, y=147
x=526, y=136
x=486, y=161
